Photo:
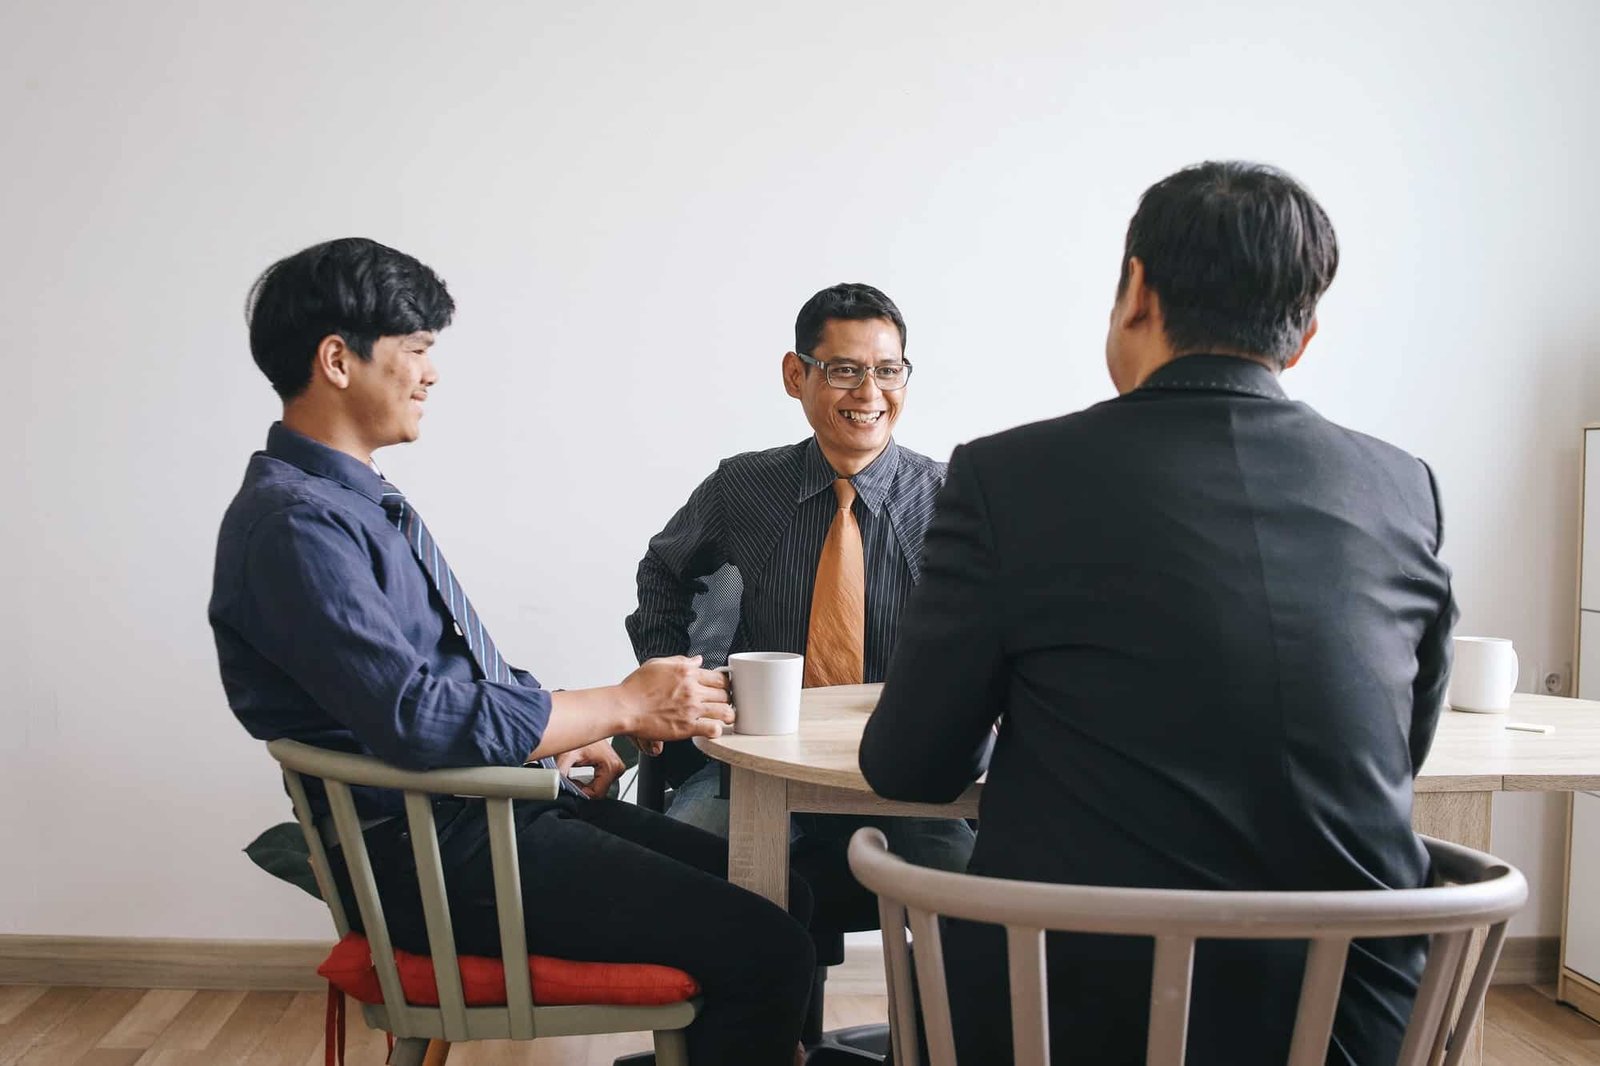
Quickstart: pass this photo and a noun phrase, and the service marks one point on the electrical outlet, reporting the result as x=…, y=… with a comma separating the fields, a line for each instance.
x=1554, y=681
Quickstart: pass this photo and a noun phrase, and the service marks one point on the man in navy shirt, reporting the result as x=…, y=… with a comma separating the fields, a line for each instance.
x=338, y=624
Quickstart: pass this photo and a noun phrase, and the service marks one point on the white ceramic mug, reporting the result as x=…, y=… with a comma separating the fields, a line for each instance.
x=764, y=687
x=1484, y=675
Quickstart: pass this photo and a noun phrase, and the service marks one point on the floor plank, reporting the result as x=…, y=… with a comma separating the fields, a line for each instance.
x=15, y=998
x=55, y=1007
x=111, y=1056
x=146, y=1021
x=133, y=1027
x=196, y=1025
x=1524, y=1027
x=77, y=1034
x=244, y=1030
x=362, y=1045
x=297, y=1034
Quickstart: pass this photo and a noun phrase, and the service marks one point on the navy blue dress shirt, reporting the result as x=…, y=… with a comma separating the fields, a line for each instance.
x=329, y=632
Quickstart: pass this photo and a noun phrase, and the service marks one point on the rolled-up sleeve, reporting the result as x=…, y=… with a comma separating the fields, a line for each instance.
x=314, y=608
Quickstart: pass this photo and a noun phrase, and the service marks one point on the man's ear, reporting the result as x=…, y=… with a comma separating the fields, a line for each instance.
x=794, y=372
x=1304, y=341
x=1138, y=299
x=332, y=361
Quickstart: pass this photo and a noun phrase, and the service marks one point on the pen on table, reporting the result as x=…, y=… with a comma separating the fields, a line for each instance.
x=1530, y=727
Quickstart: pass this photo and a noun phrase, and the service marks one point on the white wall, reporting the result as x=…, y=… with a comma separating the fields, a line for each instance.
x=630, y=201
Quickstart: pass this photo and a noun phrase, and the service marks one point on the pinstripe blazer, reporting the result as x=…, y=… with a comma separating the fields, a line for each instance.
x=766, y=514
x=1215, y=630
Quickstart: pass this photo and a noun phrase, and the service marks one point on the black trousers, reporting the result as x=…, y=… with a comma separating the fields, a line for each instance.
x=606, y=881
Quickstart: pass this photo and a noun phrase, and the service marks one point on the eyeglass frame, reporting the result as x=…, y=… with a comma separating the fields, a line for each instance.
x=827, y=372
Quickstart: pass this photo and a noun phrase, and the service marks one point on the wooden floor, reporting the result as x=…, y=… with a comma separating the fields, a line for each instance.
x=161, y=1027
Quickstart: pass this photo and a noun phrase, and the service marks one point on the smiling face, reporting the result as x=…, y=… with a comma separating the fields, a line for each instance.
x=852, y=425
x=386, y=393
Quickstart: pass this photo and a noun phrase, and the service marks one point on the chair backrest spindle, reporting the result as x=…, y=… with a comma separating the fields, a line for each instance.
x=1171, y=976
x=508, y=907
x=1480, y=893
x=1030, y=1033
x=359, y=865
x=1477, y=988
x=1319, y=1000
x=318, y=854
x=436, y=914
x=931, y=987
x=897, y=963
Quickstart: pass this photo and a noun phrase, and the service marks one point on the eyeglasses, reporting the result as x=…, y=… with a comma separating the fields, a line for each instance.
x=889, y=376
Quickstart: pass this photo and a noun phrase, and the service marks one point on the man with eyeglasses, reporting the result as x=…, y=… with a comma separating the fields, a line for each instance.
x=810, y=548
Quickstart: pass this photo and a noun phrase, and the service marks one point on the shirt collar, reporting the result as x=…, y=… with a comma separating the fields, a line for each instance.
x=871, y=485
x=1216, y=373
x=319, y=459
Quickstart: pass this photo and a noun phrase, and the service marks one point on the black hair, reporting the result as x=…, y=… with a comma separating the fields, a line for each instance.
x=354, y=288
x=848, y=300
x=1239, y=253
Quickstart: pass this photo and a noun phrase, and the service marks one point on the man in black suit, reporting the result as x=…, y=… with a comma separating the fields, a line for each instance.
x=1213, y=627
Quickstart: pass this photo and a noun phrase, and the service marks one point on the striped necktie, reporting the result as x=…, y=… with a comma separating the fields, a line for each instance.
x=836, y=637
x=484, y=653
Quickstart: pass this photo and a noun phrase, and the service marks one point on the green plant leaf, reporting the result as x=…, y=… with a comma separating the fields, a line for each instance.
x=281, y=851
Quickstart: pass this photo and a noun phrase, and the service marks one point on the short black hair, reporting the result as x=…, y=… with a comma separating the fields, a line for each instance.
x=1239, y=254
x=353, y=287
x=847, y=300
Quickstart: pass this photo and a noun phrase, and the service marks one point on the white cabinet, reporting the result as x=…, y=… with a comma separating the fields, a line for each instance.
x=1580, y=943
x=1589, y=589
x=1589, y=653
x=1582, y=947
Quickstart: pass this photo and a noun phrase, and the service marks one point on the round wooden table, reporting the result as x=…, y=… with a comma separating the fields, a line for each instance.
x=816, y=769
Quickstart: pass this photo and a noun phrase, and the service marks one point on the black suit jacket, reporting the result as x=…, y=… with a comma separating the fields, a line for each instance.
x=1214, y=629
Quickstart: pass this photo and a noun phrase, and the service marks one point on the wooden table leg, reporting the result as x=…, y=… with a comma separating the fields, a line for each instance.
x=758, y=834
x=1461, y=818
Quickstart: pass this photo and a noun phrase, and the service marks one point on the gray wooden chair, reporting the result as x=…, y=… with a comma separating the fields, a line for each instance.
x=1479, y=893
x=452, y=1021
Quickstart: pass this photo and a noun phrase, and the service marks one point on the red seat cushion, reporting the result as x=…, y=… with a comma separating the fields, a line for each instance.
x=556, y=982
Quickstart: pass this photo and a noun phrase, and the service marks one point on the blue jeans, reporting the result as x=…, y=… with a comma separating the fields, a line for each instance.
x=941, y=843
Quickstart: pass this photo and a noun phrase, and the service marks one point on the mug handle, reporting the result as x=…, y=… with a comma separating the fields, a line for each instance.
x=727, y=672
x=1516, y=672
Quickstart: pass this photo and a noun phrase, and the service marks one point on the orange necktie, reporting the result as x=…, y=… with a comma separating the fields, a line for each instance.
x=836, y=643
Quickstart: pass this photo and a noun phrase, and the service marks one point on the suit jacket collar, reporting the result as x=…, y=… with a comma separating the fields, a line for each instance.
x=1216, y=373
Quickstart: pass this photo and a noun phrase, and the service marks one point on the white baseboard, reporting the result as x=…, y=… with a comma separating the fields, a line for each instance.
x=1529, y=960
x=146, y=962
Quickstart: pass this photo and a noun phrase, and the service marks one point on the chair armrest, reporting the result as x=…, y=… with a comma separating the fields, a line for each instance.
x=486, y=782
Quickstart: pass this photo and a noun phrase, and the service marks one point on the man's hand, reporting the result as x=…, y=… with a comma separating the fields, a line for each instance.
x=673, y=698
x=665, y=699
x=600, y=755
x=646, y=747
